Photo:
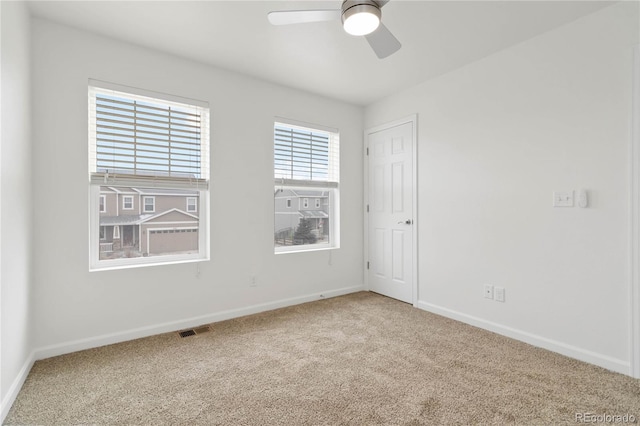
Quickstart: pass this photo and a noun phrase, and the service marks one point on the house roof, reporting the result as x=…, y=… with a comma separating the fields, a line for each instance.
x=131, y=219
x=148, y=191
x=156, y=191
x=137, y=219
x=314, y=214
x=310, y=193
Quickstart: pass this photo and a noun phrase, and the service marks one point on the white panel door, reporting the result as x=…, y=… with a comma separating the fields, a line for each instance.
x=391, y=212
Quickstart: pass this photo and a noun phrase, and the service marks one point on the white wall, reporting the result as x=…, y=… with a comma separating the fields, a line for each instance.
x=15, y=210
x=496, y=138
x=75, y=308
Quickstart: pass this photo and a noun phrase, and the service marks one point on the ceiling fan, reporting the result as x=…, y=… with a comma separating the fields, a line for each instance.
x=359, y=18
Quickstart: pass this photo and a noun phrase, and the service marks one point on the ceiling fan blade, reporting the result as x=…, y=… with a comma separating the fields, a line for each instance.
x=383, y=42
x=286, y=17
x=381, y=2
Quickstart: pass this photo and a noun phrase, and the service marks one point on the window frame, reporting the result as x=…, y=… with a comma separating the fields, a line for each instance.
x=124, y=202
x=331, y=185
x=144, y=204
x=195, y=205
x=103, y=203
x=97, y=179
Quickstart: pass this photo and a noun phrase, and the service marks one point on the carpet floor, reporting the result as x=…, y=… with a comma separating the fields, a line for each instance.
x=360, y=359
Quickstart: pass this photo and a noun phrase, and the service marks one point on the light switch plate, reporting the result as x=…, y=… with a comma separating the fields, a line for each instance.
x=562, y=198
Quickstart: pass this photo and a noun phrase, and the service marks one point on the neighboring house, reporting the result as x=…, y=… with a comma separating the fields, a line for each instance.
x=138, y=222
x=291, y=205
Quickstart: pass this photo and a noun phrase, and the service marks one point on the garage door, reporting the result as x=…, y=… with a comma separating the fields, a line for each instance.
x=173, y=241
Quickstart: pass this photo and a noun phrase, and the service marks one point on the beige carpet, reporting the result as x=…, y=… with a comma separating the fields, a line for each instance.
x=360, y=359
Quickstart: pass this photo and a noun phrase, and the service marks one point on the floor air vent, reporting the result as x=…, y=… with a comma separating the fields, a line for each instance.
x=194, y=331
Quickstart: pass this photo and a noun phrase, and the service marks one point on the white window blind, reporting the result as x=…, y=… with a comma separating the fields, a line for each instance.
x=305, y=155
x=140, y=138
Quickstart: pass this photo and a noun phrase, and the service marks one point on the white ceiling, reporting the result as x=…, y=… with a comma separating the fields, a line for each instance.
x=436, y=37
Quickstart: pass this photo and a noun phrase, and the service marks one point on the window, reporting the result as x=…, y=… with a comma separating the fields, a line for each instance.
x=149, y=204
x=306, y=166
x=127, y=202
x=192, y=204
x=155, y=146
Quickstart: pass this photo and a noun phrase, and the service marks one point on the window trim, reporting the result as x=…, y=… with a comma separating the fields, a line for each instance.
x=124, y=202
x=199, y=184
x=116, y=232
x=334, y=217
x=96, y=265
x=331, y=184
x=195, y=205
x=102, y=203
x=144, y=203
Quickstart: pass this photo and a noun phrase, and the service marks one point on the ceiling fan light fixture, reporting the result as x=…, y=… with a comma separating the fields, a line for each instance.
x=361, y=19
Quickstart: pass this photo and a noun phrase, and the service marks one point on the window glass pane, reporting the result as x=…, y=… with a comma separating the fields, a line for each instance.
x=142, y=144
x=305, y=154
x=143, y=136
x=192, y=204
x=168, y=230
x=301, y=225
x=306, y=172
x=149, y=204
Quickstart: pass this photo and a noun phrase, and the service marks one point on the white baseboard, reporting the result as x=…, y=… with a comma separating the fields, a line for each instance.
x=15, y=387
x=108, y=339
x=600, y=360
x=137, y=333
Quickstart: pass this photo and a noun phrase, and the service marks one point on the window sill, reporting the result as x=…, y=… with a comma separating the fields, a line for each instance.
x=115, y=265
x=304, y=249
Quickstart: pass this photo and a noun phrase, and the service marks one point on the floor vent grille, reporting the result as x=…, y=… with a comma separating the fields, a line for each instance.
x=194, y=331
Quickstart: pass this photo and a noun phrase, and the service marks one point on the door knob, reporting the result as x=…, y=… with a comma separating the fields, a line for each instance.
x=406, y=222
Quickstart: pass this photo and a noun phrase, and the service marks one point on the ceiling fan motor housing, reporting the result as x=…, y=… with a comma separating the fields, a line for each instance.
x=351, y=7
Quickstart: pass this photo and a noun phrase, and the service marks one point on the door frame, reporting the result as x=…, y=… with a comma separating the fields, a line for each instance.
x=634, y=264
x=413, y=119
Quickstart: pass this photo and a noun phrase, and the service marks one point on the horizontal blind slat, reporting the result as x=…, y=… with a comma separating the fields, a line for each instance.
x=109, y=100
x=140, y=120
x=305, y=155
x=146, y=137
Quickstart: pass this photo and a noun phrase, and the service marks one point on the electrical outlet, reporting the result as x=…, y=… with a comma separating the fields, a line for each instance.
x=253, y=283
x=563, y=198
x=498, y=292
x=488, y=291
